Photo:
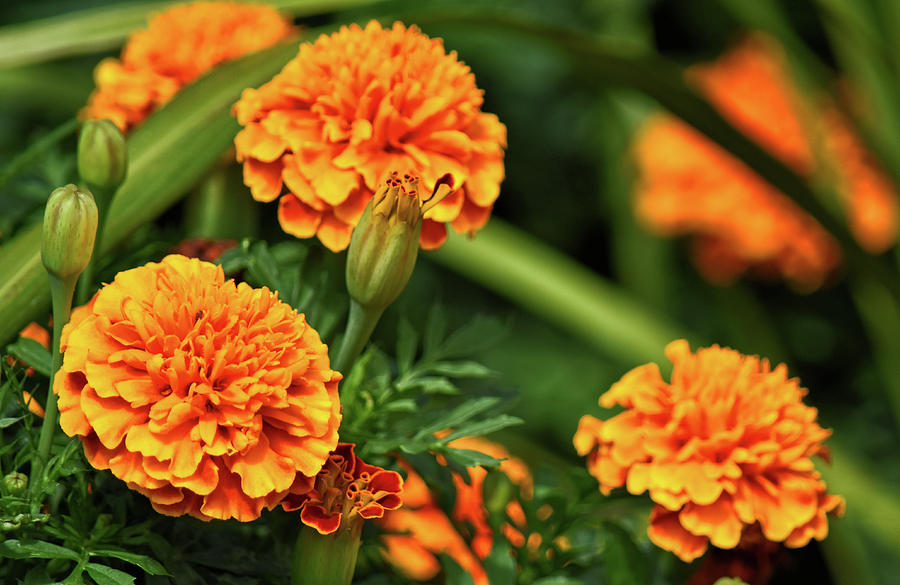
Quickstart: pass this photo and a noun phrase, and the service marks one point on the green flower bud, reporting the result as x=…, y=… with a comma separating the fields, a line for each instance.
x=70, y=226
x=385, y=243
x=102, y=156
x=16, y=483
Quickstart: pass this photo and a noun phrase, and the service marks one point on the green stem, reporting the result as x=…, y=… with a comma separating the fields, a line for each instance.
x=61, y=292
x=360, y=324
x=103, y=199
x=326, y=558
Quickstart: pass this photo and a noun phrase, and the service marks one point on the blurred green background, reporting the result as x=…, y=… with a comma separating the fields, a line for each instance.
x=568, y=187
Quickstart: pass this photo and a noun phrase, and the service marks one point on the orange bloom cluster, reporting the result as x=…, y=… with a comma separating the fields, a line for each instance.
x=347, y=487
x=726, y=444
x=355, y=105
x=421, y=530
x=690, y=185
x=178, y=46
x=211, y=398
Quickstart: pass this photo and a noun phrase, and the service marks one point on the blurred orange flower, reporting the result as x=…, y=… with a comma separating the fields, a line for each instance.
x=355, y=105
x=728, y=443
x=690, y=185
x=347, y=487
x=179, y=45
x=211, y=398
x=428, y=530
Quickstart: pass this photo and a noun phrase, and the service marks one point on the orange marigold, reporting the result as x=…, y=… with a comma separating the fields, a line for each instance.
x=421, y=530
x=347, y=488
x=179, y=45
x=211, y=398
x=690, y=185
x=355, y=105
x=726, y=444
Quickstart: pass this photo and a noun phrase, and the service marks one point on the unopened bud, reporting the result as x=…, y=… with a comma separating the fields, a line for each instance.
x=102, y=155
x=70, y=226
x=16, y=483
x=385, y=243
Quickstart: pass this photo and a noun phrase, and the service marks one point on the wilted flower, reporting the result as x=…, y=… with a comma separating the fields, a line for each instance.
x=179, y=45
x=355, y=105
x=420, y=531
x=211, y=398
x=345, y=491
x=690, y=185
x=728, y=443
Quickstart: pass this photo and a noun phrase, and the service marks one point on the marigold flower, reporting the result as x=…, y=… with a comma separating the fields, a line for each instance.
x=421, y=530
x=178, y=46
x=355, y=105
x=211, y=398
x=726, y=444
x=347, y=487
x=690, y=185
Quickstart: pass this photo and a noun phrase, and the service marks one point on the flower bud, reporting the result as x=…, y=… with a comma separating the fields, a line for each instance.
x=70, y=226
x=385, y=243
x=16, y=483
x=102, y=156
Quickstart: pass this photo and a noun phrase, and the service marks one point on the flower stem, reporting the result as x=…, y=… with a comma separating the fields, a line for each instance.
x=326, y=558
x=61, y=292
x=360, y=324
x=103, y=199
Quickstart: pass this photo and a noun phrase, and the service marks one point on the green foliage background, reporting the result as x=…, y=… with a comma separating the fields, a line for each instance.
x=578, y=293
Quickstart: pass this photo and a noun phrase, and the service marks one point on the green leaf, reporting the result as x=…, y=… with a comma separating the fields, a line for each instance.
x=483, y=427
x=32, y=354
x=500, y=565
x=470, y=458
x=98, y=29
x=455, y=574
x=558, y=581
x=407, y=340
x=104, y=575
x=458, y=415
x=36, y=549
x=429, y=385
x=464, y=369
x=9, y=421
x=148, y=564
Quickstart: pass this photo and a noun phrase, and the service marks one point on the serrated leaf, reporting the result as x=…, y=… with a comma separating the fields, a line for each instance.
x=435, y=330
x=463, y=369
x=148, y=564
x=430, y=385
x=470, y=458
x=36, y=549
x=9, y=421
x=38, y=576
x=483, y=427
x=407, y=340
x=104, y=575
x=478, y=334
x=458, y=415
x=402, y=405
x=32, y=354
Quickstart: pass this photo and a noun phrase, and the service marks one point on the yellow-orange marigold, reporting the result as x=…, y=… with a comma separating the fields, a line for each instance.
x=179, y=45
x=211, y=398
x=690, y=185
x=420, y=531
x=355, y=105
x=726, y=444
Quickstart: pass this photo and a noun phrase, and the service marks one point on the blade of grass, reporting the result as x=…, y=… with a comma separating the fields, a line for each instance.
x=99, y=29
